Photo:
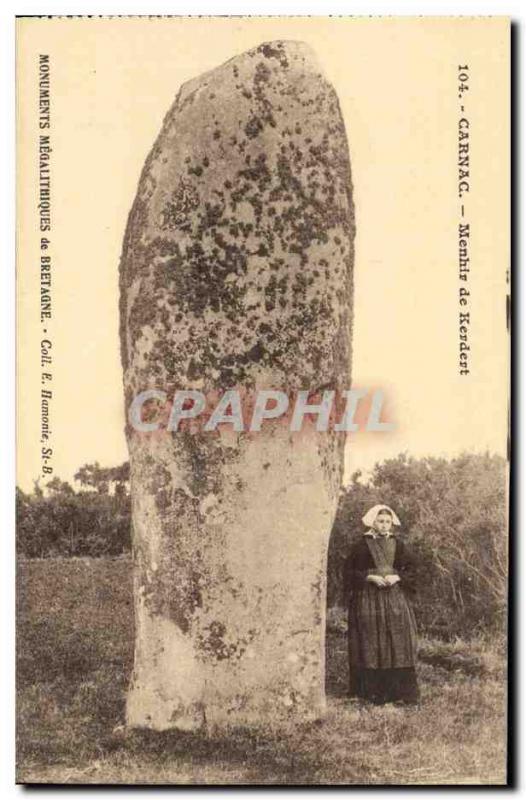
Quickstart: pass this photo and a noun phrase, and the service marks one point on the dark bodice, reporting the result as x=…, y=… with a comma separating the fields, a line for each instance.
x=360, y=563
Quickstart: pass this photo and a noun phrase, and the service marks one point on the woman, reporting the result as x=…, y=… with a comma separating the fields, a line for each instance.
x=378, y=578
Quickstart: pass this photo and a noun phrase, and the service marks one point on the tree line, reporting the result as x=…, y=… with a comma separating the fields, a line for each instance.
x=453, y=514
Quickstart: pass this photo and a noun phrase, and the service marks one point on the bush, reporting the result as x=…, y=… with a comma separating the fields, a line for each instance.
x=454, y=517
x=91, y=522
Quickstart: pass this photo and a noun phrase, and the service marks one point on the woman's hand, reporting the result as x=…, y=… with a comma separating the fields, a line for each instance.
x=391, y=579
x=377, y=580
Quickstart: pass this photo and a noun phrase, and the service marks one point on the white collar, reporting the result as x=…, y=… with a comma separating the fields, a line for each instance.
x=375, y=535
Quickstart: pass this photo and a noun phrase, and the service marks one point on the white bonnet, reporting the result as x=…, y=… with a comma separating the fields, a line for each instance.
x=370, y=517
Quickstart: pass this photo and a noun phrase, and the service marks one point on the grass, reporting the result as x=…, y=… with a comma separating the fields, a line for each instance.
x=75, y=644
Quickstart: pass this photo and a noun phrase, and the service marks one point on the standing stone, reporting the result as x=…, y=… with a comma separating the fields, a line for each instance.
x=236, y=272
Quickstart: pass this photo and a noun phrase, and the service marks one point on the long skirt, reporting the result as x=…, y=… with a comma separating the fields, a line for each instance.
x=382, y=646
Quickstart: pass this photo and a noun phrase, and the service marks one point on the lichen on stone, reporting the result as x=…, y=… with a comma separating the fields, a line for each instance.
x=236, y=272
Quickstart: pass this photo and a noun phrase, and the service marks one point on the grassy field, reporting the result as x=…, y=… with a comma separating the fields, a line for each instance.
x=75, y=643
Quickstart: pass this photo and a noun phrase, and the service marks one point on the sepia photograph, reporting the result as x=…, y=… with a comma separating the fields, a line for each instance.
x=263, y=387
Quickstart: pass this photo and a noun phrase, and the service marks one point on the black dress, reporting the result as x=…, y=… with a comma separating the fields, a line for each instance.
x=382, y=628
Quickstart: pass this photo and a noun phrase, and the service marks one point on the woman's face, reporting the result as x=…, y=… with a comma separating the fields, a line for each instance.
x=383, y=522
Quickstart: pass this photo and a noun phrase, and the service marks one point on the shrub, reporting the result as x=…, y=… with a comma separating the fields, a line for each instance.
x=68, y=523
x=454, y=517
